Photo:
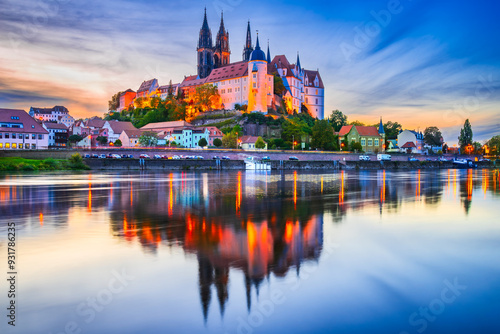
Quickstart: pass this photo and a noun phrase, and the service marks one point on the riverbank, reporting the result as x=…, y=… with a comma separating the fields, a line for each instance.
x=13, y=164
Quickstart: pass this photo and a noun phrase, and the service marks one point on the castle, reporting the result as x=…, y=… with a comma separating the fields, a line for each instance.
x=247, y=82
x=251, y=80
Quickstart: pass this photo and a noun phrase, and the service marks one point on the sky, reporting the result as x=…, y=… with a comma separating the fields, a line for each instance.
x=417, y=62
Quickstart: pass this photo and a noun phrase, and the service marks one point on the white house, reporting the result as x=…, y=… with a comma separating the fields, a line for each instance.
x=248, y=143
x=58, y=134
x=411, y=141
x=115, y=129
x=20, y=131
x=86, y=142
x=130, y=138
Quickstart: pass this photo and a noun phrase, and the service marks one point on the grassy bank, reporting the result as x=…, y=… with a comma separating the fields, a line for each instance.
x=12, y=164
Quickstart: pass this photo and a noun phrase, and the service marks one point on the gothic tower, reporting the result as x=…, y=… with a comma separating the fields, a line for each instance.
x=221, y=51
x=205, y=50
x=247, y=50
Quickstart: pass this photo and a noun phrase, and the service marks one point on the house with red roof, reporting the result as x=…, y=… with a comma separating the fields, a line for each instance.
x=115, y=129
x=411, y=141
x=248, y=143
x=20, y=131
x=371, y=139
x=213, y=133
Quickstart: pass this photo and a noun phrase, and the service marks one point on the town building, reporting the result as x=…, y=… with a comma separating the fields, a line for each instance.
x=115, y=129
x=20, y=131
x=67, y=120
x=130, y=138
x=48, y=114
x=126, y=99
x=167, y=90
x=213, y=133
x=148, y=88
x=371, y=139
x=247, y=143
x=411, y=141
x=58, y=134
x=187, y=137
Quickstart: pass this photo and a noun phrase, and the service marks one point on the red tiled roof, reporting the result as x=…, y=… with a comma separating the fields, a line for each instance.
x=234, y=70
x=192, y=82
x=345, y=130
x=409, y=144
x=214, y=131
x=133, y=133
x=30, y=125
x=95, y=122
x=127, y=91
x=248, y=139
x=366, y=131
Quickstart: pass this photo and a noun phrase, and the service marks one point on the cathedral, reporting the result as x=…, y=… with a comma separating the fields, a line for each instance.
x=251, y=81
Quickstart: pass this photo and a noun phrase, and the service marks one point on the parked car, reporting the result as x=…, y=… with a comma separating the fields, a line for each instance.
x=144, y=156
x=95, y=156
x=383, y=157
x=266, y=158
x=102, y=156
x=87, y=156
x=176, y=157
x=199, y=157
x=109, y=156
x=215, y=157
x=412, y=159
x=157, y=156
x=130, y=156
x=116, y=156
x=364, y=158
x=124, y=156
x=443, y=159
x=165, y=157
x=484, y=159
x=225, y=158
x=293, y=158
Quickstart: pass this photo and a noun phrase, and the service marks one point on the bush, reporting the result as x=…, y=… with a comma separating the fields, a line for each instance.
x=76, y=162
x=217, y=142
x=27, y=167
x=50, y=164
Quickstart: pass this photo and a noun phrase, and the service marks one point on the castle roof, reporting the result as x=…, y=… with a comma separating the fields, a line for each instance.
x=49, y=110
x=311, y=76
x=280, y=61
x=258, y=54
x=227, y=72
x=146, y=85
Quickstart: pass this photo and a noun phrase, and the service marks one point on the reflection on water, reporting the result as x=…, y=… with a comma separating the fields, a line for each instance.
x=257, y=224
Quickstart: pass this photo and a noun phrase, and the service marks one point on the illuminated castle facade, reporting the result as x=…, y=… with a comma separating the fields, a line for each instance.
x=251, y=81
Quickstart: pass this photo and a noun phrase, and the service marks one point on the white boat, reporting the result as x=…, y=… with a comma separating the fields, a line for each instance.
x=464, y=163
x=252, y=163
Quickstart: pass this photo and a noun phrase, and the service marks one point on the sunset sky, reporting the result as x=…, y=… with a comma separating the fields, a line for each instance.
x=419, y=62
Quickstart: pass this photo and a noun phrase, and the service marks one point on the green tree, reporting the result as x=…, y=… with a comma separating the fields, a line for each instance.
x=345, y=144
x=75, y=139
x=322, y=136
x=260, y=143
x=338, y=120
x=114, y=103
x=229, y=140
x=465, y=137
x=392, y=129
x=432, y=136
x=202, y=142
x=493, y=145
x=217, y=142
x=148, y=139
x=118, y=143
x=356, y=147
x=279, y=87
x=102, y=140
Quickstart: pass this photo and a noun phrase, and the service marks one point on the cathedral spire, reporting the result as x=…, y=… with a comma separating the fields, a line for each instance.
x=298, y=62
x=257, y=46
x=247, y=50
x=221, y=51
x=268, y=53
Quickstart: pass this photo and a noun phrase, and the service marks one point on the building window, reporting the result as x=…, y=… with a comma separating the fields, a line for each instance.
x=6, y=136
x=363, y=142
x=40, y=136
x=1, y=145
x=1, y=135
x=33, y=136
x=27, y=146
x=370, y=142
x=7, y=145
x=254, y=85
x=33, y=146
x=14, y=145
x=20, y=146
x=376, y=142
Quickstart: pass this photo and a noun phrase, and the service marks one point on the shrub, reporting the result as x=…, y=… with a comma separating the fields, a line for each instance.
x=50, y=163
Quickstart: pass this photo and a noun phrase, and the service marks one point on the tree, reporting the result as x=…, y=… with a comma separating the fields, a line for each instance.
x=356, y=147
x=202, y=142
x=260, y=143
x=217, y=142
x=322, y=136
x=304, y=110
x=148, y=138
x=279, y=87
x=357, y=123
x=206, y=97
x=465, y=138
x=102, y=140
x=493, y=145
x=229, y=140
x=338, y=120
x=114, y=103
x=118, y=143
x=432, y=136
x=75, y=139
x=392, y=129
x=170, y=91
